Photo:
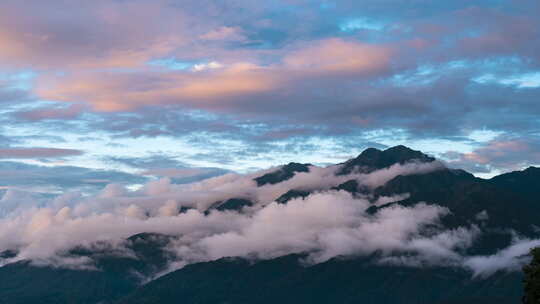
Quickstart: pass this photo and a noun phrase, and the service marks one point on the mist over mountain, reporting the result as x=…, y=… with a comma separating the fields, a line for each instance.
x=389, y=226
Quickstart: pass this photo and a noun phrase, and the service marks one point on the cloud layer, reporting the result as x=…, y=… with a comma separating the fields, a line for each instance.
x=325, y=224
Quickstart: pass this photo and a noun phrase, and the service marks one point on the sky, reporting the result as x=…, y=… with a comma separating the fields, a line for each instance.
x=126, y=91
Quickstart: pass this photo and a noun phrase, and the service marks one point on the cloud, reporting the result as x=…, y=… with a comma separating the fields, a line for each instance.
x=325, y=224
x=47, y=179
x=185, y=175
x=510, y=258
x=340, y=56
x=99, y=34
x=14, y=199
x=503, y=153
x=329, y=98
x=164, y=166
x=153, y=161
x=13, y=152
x=225, y=33
x=265, y=78
x=382, y=176
x=274, y=230
x=108, y=92
x=205, y=66
x=72, y=111
x=257, y=64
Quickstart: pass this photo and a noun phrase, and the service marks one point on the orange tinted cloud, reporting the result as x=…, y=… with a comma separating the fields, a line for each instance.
x=330, y=59
x=42, y=51
x=338, y=55
x=125, y=91
x=87, y=35
x=504, y=153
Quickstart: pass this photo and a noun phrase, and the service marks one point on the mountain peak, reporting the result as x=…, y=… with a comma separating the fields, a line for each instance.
x=532, y=169
x=282, y=174
x=403, y=153
x=521, y=182
x=400, y=148
x=373, y=159
x=370, y=151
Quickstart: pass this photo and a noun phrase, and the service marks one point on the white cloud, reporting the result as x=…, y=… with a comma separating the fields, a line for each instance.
x=510, y=258
x=207, y=66
x=325, y=224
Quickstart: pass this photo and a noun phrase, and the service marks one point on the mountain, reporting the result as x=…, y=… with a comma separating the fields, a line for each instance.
x=232, y=204
x=282, y=174
x=503, y=199
x=524, y=183
x=502, y=207
x=373, y=159
x=292, y=194
x=114, y=275
x=466, y=196
x=285, y=280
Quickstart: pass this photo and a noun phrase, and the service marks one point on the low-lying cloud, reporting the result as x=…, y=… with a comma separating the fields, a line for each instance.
x=511, y=258
x=324, y=225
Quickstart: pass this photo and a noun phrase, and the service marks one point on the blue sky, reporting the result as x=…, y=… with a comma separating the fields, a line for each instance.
x=128, y=91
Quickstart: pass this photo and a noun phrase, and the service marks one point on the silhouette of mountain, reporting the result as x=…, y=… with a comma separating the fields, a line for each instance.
x=285, y=280
x=284, y=173
x=373, y=159
x=508, y=202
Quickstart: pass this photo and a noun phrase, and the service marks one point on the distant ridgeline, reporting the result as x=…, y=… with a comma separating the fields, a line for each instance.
x=471, y=253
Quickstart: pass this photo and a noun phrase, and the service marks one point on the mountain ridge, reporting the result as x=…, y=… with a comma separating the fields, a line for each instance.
x=373, y=159
x=502, y=203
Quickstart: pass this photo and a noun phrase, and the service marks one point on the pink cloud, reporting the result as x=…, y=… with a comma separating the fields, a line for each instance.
x=38, y=152
x=70, y=112
x=499, y=33
x=501, y=153
x=233, y=83
x=124, y=91
x=225, y=33
x=338, y=55
x=87, y=34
